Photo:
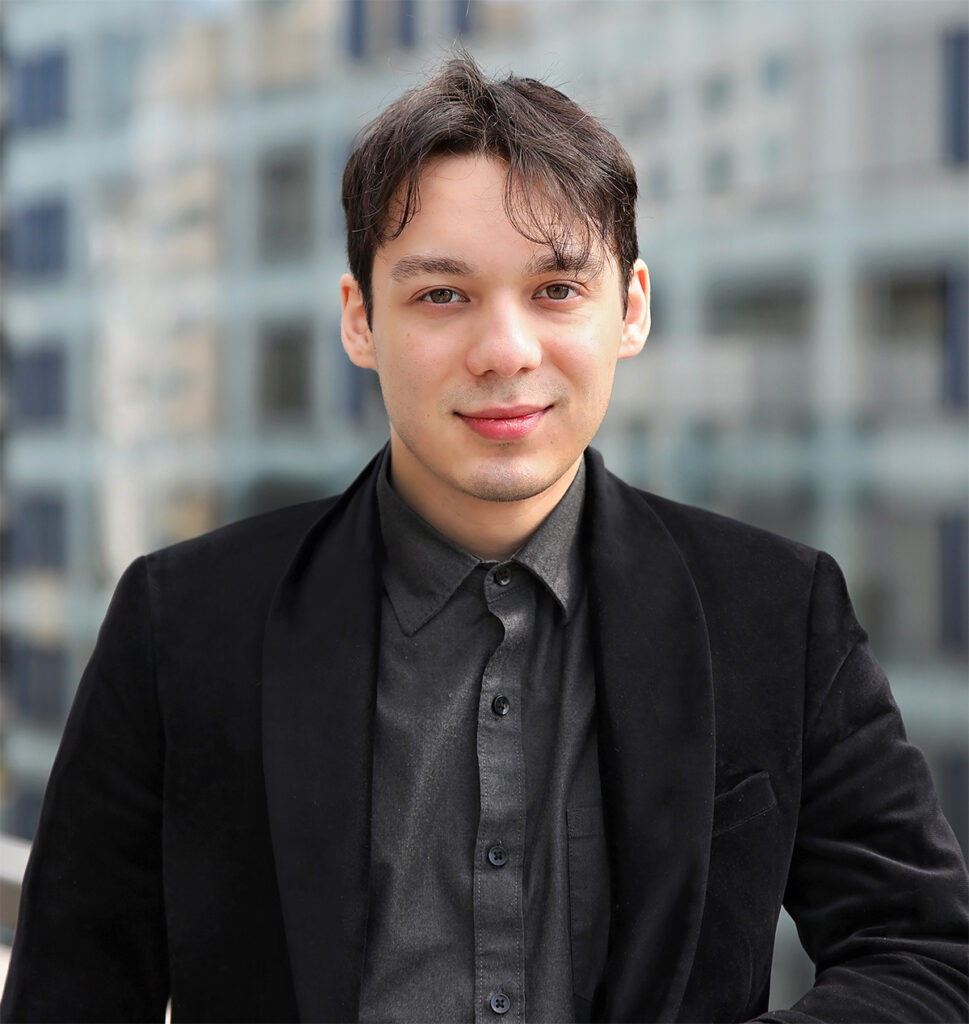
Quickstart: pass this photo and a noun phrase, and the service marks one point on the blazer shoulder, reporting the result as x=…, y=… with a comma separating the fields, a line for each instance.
x=241, y=553
x=711, y=542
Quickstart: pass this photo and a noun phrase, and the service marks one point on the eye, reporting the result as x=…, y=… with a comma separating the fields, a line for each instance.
x=558, y=291
x=441, y=296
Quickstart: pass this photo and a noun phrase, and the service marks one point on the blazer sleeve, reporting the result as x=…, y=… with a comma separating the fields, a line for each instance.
x=877, y=883
x=90, y=941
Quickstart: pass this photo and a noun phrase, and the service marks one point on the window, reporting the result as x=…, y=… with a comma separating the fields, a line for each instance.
x=954, y=536
x=39, y=91
x=955, y=340
x=39, y=677
x=718, y=171
x=362, y=400
x=21, y=812
x=37, y=239
x=285, y=206
x=407, y=23
x=775, y=73
x=357, y=29
x=38, y=532
x=777, y=309
x=285, y=379
x=268, y=493
x=462, y=17
x=909, y=307
x=717, y=92
x=956, y=105
x=38, y=385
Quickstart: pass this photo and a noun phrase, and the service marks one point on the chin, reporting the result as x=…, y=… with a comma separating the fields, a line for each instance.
x=507, y=482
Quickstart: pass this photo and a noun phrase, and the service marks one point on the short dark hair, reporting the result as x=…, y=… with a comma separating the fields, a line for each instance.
x=565, y=170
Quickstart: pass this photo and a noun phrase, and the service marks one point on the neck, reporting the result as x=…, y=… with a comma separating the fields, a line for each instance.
x=491, y=530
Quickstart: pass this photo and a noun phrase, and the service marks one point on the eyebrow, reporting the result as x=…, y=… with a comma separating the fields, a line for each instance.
x=419, y=264
x=567, y=263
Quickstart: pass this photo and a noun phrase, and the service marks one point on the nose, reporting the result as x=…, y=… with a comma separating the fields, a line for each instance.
x=504, y=342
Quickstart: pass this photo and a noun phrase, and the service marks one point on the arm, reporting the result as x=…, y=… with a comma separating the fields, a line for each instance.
x=877, y=884
x=90, y=941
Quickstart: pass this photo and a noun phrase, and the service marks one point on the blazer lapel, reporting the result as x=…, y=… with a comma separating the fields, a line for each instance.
x=656, y=748
x=319, y=686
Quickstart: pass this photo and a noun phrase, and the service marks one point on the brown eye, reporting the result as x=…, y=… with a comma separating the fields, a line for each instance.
x=558, y=291
x=440, y=296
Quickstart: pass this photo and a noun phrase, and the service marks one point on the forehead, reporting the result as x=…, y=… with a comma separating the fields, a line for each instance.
x=466, y=202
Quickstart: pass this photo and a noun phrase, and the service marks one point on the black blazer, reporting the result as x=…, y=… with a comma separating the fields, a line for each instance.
x=206, y=826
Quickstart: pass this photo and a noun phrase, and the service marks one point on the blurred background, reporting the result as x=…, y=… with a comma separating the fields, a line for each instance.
x=172, y=240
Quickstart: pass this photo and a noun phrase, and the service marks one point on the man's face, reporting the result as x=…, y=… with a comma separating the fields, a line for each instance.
x=496, y=364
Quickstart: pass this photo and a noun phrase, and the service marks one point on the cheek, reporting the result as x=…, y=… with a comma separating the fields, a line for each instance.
x=407, y=378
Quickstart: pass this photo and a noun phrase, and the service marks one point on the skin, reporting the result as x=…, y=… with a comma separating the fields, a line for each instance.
x=496, y=365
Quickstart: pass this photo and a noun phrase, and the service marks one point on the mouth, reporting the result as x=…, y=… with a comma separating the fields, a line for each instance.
x=508, y=423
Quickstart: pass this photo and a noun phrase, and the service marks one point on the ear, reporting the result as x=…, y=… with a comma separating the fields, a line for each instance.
x=635, y=326
x=354, y=329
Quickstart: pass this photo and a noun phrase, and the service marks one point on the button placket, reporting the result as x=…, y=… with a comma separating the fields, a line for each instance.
x=498, y=879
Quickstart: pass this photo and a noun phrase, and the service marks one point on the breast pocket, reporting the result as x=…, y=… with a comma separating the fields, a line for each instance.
x=588, y=903
x=747, y=800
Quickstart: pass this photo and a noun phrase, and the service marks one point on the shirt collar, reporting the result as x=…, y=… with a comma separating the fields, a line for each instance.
x=552, y=552
x=425, y=568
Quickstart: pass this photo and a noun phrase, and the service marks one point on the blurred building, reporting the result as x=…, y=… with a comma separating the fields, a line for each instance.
x=172, y=239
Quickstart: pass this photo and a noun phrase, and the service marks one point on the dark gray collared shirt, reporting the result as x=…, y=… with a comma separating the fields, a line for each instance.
x=489, y=883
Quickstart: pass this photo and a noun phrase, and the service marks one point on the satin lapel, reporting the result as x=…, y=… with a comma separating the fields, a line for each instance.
x=319, y=686
x=656, y=748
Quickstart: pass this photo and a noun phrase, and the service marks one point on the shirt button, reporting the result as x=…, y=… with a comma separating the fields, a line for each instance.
x=499, y=1002
x=498, y=857
x=503, y=576
x=500, y=705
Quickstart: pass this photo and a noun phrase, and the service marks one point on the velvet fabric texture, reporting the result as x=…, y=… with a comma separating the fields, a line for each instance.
x=206, y=827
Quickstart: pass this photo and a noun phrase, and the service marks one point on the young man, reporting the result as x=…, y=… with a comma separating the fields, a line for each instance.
x=492, y=735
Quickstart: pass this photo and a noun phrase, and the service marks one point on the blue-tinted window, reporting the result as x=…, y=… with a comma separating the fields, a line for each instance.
x=357, y=28
x=38, y=387
x=36, y=243
x=462, y=17
x=956, y=104
x=38, y=681
x=361, y=399
x=21, y=812
x=39, y=91
x=407, y=22
x=38, y=532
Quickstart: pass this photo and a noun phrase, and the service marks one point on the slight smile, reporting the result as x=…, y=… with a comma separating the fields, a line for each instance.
x=505, y=424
